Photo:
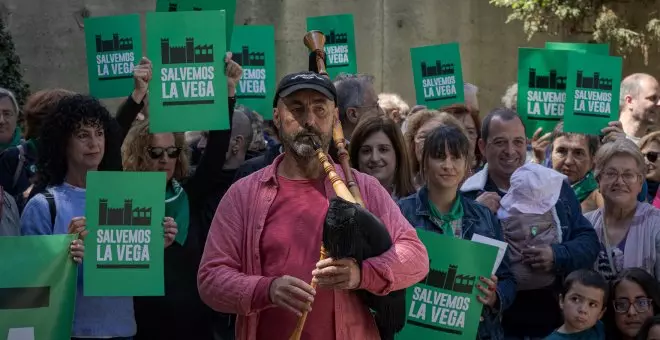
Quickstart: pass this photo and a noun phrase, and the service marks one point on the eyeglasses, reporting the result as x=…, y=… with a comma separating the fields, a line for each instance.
x=642, y=305
x=158, y=152
x=611, y=176
x=651, y=156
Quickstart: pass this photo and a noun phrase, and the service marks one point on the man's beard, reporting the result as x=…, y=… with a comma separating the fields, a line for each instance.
x=301, y=143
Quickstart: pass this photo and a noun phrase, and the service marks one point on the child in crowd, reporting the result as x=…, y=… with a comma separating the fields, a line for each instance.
x=583, y=302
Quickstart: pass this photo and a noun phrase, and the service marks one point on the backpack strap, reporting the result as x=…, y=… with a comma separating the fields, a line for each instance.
x=51, y=207
x=20, y=165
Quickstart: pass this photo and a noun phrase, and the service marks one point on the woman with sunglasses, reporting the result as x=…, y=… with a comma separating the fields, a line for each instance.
x=180, y=314
x=628, y=230
x=650, y=146
x=634, y=297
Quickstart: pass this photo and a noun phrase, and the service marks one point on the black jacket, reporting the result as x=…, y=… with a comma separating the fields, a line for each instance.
x=181, y=314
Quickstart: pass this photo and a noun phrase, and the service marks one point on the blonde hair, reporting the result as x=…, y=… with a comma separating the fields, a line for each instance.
x=510, y=98
x=135, y=156
x=391, y=101
x=619, y=147
x=416, y=121
x=648, y=139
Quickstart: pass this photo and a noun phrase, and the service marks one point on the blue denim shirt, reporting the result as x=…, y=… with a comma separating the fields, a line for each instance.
x=476, y=219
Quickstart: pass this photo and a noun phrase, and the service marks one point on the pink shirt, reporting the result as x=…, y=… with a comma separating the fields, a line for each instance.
x=291, y=243
x=230, y=273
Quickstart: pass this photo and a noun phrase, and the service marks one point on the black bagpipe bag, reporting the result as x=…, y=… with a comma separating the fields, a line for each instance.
x=352, y=231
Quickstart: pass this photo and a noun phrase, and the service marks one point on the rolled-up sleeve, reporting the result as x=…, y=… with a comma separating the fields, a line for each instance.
x=407, y=261
x=222, y=284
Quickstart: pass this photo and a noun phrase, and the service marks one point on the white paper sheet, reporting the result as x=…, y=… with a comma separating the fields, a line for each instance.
x=501, y=246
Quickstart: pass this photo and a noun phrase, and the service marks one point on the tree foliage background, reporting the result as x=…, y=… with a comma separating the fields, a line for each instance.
x=11, y=76
x=607, y=21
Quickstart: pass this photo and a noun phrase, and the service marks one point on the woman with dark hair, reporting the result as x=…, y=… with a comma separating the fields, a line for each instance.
x=634, y=297
x=74, y=143
x=191, y=202
x=439, y=207
x=377, y=148
x=650, y=329
x=419, y=126
x=18, y=164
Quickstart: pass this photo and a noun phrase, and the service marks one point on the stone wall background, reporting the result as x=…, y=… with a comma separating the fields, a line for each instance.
x=50, y=40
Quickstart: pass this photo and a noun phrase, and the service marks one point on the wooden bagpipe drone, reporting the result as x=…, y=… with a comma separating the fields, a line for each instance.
x=349, y=230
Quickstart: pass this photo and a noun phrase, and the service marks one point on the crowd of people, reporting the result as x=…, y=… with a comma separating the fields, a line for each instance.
x=245, y=208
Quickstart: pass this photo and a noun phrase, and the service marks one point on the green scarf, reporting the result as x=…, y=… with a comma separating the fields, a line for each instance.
x=176, y=207
x=584, y=187
x=15, y=140
x=455, y=213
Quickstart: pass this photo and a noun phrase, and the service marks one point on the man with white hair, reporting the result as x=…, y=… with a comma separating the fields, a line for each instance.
x=394, y=107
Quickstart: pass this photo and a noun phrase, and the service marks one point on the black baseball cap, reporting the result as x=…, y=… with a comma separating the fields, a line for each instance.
x=305, y=80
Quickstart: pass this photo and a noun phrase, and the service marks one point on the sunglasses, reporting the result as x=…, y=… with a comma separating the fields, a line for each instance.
x=158, y=152
x=651, y=156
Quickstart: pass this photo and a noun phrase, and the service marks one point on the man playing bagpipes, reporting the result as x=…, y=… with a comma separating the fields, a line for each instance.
x=263, y=247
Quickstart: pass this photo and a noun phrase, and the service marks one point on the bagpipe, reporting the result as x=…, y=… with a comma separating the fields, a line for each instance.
x=349, y=229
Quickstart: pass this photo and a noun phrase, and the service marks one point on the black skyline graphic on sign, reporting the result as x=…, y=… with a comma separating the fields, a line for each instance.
x=450, y=280
x=593, y=83
x=125, y=216
x=173, y=7
x=187, y=54
x=336, y=38
x=439, y=69
x=247, y=58
x=546, y=82
x=115, y=44
x=24, y=297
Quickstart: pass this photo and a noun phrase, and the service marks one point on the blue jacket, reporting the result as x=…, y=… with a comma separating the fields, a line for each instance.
x=476, y=219
x=536, y=313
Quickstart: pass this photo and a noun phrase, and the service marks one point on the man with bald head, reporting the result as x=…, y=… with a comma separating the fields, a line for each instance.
x=639, y=105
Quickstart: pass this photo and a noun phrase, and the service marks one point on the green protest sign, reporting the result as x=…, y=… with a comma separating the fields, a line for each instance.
x=229, y=6
x=253, y=47
x=438, y=75
x=339, y=34
x=189, y=89
x=114, y=47
x=603, y=49
x=124, y=251
x=444, y=304
x=38, y=287
x=541, y=87
x=592, y=94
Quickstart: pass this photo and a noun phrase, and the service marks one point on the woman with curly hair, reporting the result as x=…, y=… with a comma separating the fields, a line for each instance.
x=75, y=142
x=189, y=201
